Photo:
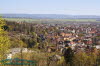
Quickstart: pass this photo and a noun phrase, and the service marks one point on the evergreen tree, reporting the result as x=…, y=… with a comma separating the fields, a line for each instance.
x=68, y=55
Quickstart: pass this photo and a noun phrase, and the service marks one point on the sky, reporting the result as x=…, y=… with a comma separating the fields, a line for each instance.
x=68, y=7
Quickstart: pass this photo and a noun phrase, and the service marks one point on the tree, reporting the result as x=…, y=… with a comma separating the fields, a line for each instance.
x=68, y=56
x=4, y=40
x=84, y=59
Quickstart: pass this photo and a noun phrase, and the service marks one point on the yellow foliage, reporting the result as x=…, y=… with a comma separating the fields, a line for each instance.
x=4, y=40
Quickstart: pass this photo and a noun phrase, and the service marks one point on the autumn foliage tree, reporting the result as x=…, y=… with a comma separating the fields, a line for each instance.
x=4, y=40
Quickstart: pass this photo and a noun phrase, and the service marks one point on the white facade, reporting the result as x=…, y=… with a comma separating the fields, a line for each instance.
x=98, y=46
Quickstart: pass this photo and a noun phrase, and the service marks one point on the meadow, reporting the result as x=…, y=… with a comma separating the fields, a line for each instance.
x=50, y=20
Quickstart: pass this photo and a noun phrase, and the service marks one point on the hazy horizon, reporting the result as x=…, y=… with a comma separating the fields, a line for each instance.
x=48, y=14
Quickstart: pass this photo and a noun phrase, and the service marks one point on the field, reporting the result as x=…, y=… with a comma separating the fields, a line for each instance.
x=50, y=20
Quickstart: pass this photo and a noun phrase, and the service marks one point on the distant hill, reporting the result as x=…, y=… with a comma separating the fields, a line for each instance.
x=49, y=16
